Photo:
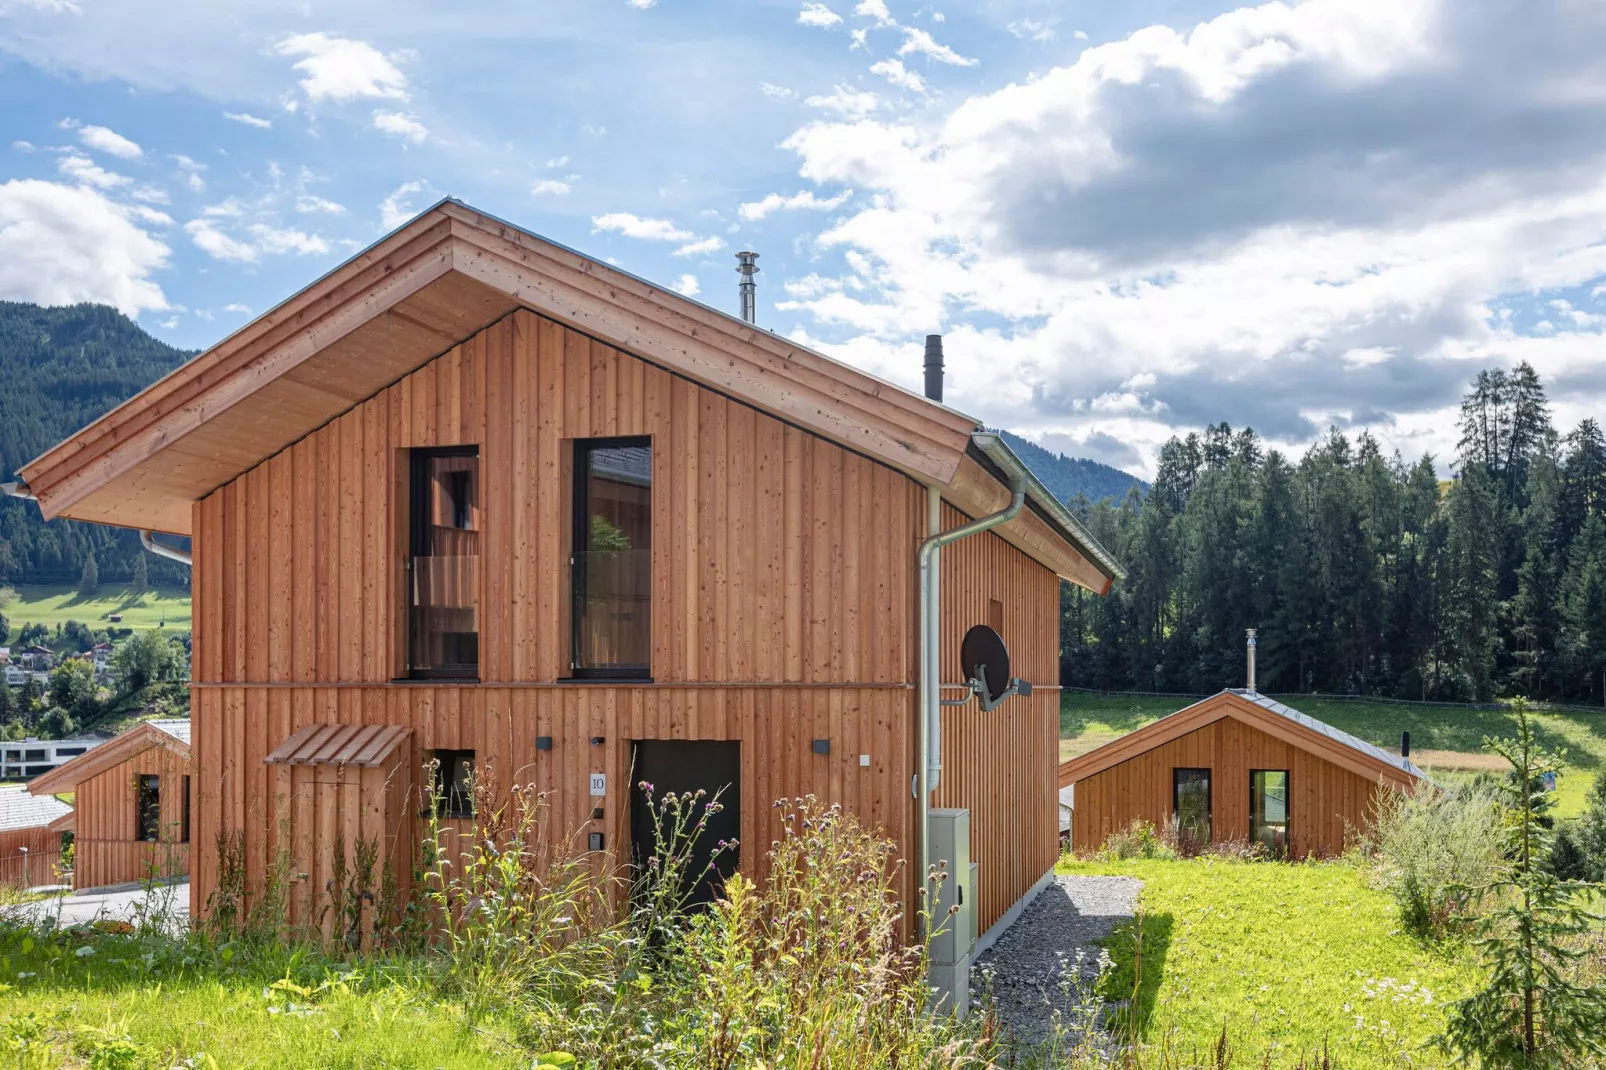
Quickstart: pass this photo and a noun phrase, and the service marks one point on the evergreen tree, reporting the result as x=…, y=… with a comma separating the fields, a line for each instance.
x=89, y=580
x=142, y=575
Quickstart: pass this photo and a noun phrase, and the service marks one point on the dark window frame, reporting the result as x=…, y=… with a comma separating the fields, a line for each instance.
x=1210, y=797
x=580, y=534
x=453, y=802
x=1288, y=808
x=148, y=808
x=184, y=814
x=418, y=531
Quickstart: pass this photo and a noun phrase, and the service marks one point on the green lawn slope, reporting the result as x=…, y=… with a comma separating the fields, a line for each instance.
x=51, y=606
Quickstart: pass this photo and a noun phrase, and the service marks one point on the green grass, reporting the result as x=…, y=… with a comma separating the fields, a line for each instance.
x=1445, y=741
x=1287, y=957
x=159, y=1003
x=51, y=606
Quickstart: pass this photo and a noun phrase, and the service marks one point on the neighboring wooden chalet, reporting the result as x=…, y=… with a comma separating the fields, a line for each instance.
x=30, y=837
x=528, y=519
x=132, y=800
x=1236, y=766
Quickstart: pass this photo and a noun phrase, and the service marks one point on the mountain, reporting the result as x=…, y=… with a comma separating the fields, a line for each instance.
x=1067, y=477
x=60, y=368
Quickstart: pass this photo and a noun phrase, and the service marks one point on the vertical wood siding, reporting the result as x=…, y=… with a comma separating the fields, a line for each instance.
x=38, y=865
x=104, y=848
x=782, y=610
x=1323, y=796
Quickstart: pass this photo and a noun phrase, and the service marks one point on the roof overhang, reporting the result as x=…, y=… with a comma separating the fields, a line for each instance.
x=90, y=764
x=1223, y=705
x=430, y=285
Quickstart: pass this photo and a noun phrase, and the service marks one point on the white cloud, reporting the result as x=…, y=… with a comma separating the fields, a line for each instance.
x=338, y=68
x=248, y=119
x=641, y=5
x=875, y=9
x=151, y=195
x=550, y=186
x=24, y=146
x=920, y=41
x=102, y=139
x=1032, y=29
x=774, y=202
x=308, y=203
x=686, y=285
x=86, y=172
x=780, y=92
x=817, y=14
x=402, y=125
x=271, y=239
x=225, y=209
x=62, y=244
x=244, y=310
x=212, y=241
x=191, y=171
x=895, y=72
x=397, y=208
x=701, y=247
x=846, y=101
x=146, y=214
x=558, y=161
x=634, y=226
x=1080, y=35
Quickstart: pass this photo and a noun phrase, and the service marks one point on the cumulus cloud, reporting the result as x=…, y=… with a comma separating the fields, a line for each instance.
x=397, y=208
x=919, y=41
x=780, y=92
x=191, y=170
x=895, y=72
x=817, y=14
x=308, y=203
x=333, y=67
x=243, y=310
x=641, y=5
x=702, y=246
x=634, y=226
x=1287, y=217
x=86, y=172
x=875, y=9
x=687, y=284
x=550, y=187
x=60, y=244
x=102, y=139
x=211, y=240
x=248, y=119
x=845, y=100
x=775, y=202
x=402, y=125
x=272, y=239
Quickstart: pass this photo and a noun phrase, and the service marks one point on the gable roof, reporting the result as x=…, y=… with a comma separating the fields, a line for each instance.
x=172, y=734
x=436, y=281
x=1256, y=710
x=339, y=744
x=22, y=810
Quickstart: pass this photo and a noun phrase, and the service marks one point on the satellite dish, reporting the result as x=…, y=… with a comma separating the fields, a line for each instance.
x=984, y=657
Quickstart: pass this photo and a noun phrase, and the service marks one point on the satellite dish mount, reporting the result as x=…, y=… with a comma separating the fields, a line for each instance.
x=985, y=661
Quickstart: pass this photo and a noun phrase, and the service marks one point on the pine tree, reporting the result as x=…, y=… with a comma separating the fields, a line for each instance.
x=1531, y=1011
x=89, y=580
x=142, y=575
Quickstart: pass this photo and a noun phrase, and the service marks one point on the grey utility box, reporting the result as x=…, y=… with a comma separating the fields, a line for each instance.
x=955, y=940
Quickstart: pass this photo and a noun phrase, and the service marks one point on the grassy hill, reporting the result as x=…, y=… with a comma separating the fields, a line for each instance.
x=53, y=605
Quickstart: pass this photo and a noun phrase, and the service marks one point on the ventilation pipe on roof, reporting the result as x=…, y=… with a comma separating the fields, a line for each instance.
x=747, y=267
x=147, y=539
x=934, y=367
x=1250, y=686
x=929, y=771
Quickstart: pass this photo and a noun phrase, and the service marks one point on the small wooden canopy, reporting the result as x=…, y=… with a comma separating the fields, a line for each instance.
x=174, y=735
x=435, y=282
x=368, y=745
x=1257, y=711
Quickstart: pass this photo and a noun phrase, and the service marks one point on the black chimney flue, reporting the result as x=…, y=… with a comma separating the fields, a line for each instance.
x=934, y=367
x=1405, y=744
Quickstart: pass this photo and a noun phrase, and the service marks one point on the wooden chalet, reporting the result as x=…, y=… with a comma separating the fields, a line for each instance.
x=1235, y=766
x=132, y=805
x=524, y=518
x=31, y=830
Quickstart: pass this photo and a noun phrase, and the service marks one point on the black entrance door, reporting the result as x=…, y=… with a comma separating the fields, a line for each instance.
x=683, y=766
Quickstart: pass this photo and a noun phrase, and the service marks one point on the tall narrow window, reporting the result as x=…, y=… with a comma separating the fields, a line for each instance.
x=148, y=807
x=612, y=581
x=454, y=783
x=1268, y=810
x=184, y=822
x=1190, y=806
x=443, y=638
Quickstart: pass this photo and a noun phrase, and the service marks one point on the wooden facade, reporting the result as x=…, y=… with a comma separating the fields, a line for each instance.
x=109, y=842
x=1332, y=783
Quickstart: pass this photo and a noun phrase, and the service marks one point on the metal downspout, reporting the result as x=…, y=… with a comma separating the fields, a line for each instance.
x=147, y=539
x=929, y=773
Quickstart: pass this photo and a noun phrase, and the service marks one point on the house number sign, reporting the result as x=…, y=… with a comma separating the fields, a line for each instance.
x=599, y=784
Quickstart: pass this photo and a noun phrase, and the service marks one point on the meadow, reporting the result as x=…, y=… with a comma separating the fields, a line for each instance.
x=1446, y=741
x=164, y=607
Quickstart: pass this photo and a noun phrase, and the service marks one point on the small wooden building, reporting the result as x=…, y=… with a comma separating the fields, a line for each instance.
x=132, y=801
x=1236, y=766
x=545, y=523
x=31, y=828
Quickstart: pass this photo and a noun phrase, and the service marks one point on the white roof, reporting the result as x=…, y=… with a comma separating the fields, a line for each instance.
x=19, y=810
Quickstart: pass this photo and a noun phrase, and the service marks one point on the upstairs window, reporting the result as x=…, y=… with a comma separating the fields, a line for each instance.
x=612, y=562
x=147, y=807
x=443, y=639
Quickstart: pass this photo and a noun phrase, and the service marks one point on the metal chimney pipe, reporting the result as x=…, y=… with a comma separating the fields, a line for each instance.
x=747, y=267
x=934, y=367
x=1405, y=744
x=1251, y=652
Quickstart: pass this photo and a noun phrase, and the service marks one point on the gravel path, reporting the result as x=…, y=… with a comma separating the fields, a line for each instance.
x=1046, y=962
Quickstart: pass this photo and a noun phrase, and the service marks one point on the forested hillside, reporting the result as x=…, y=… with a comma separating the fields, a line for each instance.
x=1070, y=478
x=59, y=369
x=1362, y=571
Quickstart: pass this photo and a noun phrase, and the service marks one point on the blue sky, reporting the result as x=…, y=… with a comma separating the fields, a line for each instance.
x=1130, y=219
